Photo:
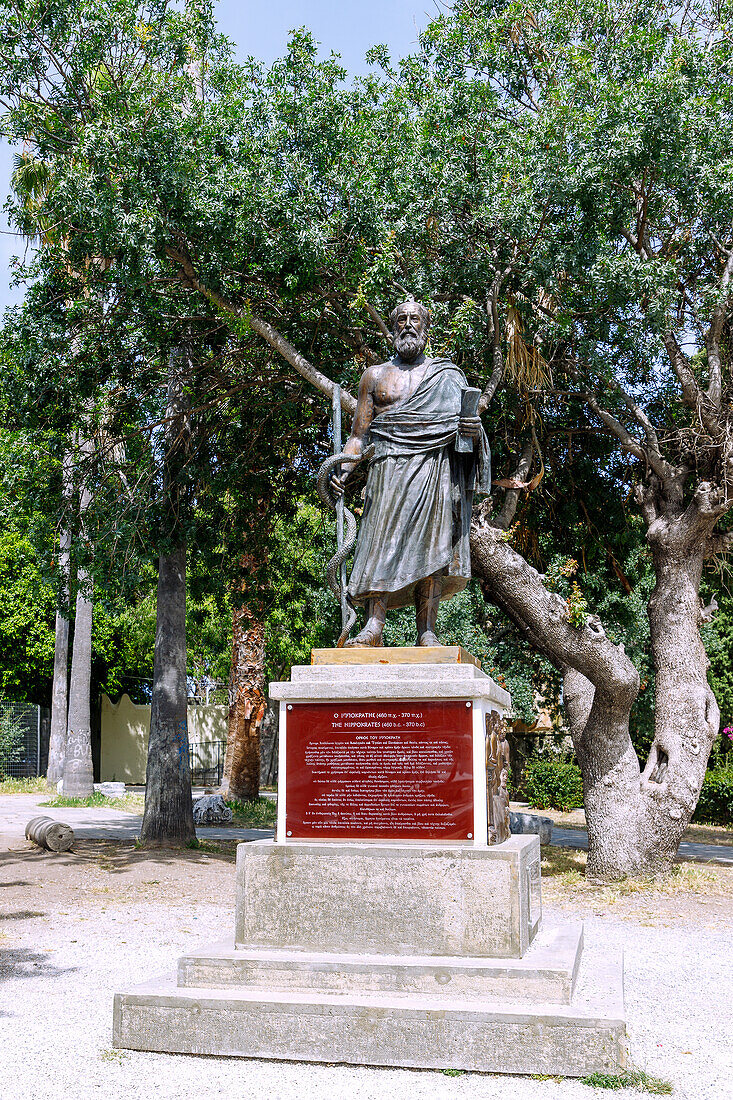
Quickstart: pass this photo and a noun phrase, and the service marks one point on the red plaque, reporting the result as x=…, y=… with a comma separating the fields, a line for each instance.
x=372, y=771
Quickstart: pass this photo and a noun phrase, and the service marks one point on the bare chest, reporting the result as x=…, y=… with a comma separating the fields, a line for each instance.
x=394, y=384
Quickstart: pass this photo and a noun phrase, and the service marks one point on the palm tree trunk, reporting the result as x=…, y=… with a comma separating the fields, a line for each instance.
x=60, y=691
x=247, y=703
x=78, y=774
x=78, y=781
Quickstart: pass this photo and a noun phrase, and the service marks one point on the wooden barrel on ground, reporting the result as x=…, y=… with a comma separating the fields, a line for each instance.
x=55, y=836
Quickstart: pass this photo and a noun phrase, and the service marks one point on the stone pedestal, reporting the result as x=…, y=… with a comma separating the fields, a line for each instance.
x=397, y=899
x=425, y=952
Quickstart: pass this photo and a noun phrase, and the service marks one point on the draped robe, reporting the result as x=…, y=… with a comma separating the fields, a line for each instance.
x=419, y=494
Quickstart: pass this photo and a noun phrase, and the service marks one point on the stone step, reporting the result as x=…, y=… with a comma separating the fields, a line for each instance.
x=546, y=973
x=379, y=1029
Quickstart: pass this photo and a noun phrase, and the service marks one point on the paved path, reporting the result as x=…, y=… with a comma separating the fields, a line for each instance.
x=100, y=823
x=96, y=823
x=697, y=853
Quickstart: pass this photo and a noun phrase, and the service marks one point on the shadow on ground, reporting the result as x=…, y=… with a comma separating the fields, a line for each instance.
x=21, y=962
x=118, y=856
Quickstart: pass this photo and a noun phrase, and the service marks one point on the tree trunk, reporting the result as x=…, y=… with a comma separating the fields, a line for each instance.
x=599, y=725
x=59, y=700
x=686, y=715
x=78, y=775
x=247, y=701
x=60, y=691
x=601, y=684
x=635, y=820
x=168, y=817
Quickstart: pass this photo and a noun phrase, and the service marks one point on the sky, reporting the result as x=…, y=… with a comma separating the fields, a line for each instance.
x=262, y=29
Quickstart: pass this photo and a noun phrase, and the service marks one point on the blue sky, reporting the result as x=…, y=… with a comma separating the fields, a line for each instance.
x=262, y=30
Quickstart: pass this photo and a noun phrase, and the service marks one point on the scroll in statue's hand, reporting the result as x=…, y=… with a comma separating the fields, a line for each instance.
x=470, y=426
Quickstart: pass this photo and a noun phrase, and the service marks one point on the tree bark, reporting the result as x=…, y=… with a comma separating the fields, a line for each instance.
x=168, y=816
x=78, y=774
x=686, y=715
x=247, y=701
x=59, y=700
x=60, y=690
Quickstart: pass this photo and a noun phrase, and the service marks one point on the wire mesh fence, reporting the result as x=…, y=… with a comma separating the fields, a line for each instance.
x=22, y=729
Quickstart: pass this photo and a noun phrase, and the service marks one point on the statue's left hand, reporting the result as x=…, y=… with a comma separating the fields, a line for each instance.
x=470, y=426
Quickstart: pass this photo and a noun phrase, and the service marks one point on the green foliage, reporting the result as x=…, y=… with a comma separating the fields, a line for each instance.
x=25, y=785
x=715, y=804
x=718, y=639
x=630, y=1078
x=553, y=784
x=27, y=612
x=302, y=613
x=261, y=814
x=131, y=803
x=11, y=739
x=522, y=150
x=577, y=607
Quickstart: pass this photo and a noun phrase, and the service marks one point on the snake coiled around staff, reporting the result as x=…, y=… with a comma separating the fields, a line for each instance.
x=333, y=568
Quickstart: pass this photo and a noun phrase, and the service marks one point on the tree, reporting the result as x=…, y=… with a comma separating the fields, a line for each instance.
x=247, y=700
x=78, y=771
x=168, y=816
x=31, y=182
x=60, y=691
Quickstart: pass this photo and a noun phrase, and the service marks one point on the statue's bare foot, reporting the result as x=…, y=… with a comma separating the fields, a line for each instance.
x=369, y=636
x=428, y=638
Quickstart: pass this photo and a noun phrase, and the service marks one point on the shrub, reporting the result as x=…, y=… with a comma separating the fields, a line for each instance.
x=11, y=740
x=553, y=784
x=715, y=805
x=261, y=814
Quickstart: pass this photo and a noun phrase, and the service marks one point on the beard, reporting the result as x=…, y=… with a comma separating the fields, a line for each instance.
x=409, y=345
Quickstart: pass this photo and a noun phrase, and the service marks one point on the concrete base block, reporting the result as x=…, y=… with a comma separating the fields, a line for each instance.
x=532, y=823
x=399, y=899
x=382, y=1029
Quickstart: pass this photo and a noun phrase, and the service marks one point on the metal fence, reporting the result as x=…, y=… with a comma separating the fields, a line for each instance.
x=22, y=730
x=207, y=762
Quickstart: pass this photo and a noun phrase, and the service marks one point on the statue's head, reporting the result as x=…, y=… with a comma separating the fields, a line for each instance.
x=410, y=323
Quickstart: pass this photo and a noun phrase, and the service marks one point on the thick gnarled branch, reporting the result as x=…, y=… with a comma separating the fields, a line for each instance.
x=518, y=589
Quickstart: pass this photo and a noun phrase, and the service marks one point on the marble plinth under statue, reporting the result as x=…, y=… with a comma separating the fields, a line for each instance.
x=426, y=953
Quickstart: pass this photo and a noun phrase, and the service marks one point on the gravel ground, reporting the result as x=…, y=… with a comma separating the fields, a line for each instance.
x=77, y=928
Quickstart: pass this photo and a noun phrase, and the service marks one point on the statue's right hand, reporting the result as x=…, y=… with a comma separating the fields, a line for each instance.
x=336, y=484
